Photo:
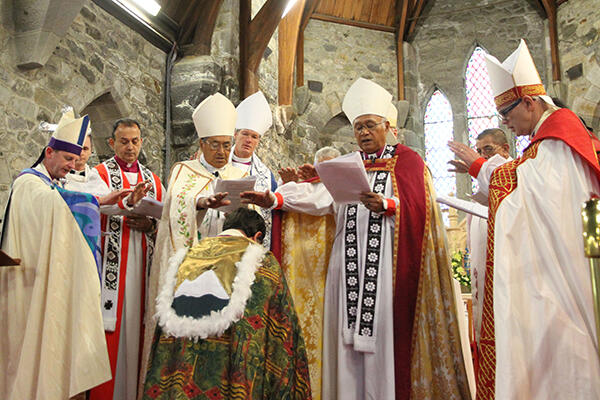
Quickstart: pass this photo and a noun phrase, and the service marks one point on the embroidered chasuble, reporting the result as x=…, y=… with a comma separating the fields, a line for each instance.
x=390, y=322
x=538, y=337
x=227, y=327
x=306, y=242
x=52, y=342
x=181, y=226
x=265, y=180
x=127, y=255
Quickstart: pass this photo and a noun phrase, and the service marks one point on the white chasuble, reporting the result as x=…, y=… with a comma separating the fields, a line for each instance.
x=52, y=342
x=546, y=344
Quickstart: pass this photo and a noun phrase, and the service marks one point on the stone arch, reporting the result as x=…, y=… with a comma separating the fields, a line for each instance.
x=337, y=132
x=103, y=111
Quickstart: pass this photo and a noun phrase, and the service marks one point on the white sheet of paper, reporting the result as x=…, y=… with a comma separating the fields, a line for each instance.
x=463, y=205
x=147, y=207
x=234, y=187
x=344, y=177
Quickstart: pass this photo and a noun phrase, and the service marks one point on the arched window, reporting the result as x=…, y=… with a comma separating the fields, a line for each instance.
x=438, y=131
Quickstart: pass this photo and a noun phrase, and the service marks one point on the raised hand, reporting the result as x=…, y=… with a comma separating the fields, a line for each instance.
x=214, y=201
x=307, y=171
x=289, y=174
x=113, y=197
x=139, y=191
x=262, y=199
x=463, y=152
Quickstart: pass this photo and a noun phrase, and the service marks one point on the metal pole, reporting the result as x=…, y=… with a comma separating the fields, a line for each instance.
x=590, y=215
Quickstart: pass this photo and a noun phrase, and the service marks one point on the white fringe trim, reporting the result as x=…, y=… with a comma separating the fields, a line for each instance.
x=218, y=321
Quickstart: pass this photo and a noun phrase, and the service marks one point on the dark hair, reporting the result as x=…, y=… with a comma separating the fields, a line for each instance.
x=248, y=221
x=128, y=122
x=496, y=133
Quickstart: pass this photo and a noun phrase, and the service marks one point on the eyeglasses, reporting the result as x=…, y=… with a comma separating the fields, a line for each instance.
x=216, y=145
x=370, y=126
x=504, y=113
x=487, y=150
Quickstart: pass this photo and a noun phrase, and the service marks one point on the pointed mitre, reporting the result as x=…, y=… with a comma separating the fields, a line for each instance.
x=515, y=77
x=392, y=117
x=254, y=114
x=70, y=133
x=366, y=97
x=215, y=116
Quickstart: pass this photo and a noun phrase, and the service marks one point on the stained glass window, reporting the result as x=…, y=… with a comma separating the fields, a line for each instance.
x=438, y=131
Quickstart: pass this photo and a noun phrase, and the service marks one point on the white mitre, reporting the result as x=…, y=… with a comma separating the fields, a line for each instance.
x=70, y=133
x=515, y=77
x=366, y=97
x=215, y=116
x=254, y=114
x=392, y=117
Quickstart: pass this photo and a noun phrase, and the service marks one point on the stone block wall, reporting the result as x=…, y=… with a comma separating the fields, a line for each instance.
x=579, y=50
x=98, y=59
x=445, y=38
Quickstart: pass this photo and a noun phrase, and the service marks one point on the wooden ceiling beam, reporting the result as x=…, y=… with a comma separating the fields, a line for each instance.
x=360, y=24
x=402, y=12
x=289, y=28
x=414, y=17
x=254, y=38
x=550, y=8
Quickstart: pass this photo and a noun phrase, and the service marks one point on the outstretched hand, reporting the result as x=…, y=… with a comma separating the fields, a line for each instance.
x=214, y=201
x=288, y=174
x=262, y=199
x=139, y=191
x=307, y=171
x=463, y=152
x=459, y=166
x=114, y=197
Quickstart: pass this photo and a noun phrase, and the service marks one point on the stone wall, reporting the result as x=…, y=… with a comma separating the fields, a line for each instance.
x=579, y=49
x=444, y=40
x=100, y=66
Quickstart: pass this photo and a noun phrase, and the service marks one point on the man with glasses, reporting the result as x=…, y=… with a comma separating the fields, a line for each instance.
x=492, y=151
x=390, y=313
x=538, y=338
x=190, y=211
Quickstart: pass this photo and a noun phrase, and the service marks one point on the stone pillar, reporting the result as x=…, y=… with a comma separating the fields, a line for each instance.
x=39, y=26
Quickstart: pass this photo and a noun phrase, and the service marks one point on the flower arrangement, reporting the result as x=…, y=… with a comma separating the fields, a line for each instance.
x=461, y=268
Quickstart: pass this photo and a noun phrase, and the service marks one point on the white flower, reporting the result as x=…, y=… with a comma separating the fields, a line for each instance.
x=350, y=224
x=351, y=252
x=353, y=295
x=365, y=331
x=374, y=242
x=370, y=286
x=369, y=301
x=381, y=175
x=371, y=271
x=374, y=228
x=378, y=188
x=351, y=237
x=352, y=211
x=352, y=281
x=373, y=257
x=351, y=266
x=367, y=317
x=353, y=311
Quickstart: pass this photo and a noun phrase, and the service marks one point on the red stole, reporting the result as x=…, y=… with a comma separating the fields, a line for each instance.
x=561, y=125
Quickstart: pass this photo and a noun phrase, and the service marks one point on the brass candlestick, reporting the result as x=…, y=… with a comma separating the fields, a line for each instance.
x=590, y=214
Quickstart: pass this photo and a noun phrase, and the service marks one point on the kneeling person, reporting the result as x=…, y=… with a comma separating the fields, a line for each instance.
x=227, y=323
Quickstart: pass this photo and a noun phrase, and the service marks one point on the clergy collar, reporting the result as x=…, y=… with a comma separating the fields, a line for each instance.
x=209, y=167
x=373, y=155
x=128, y=167
x=241, y=160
